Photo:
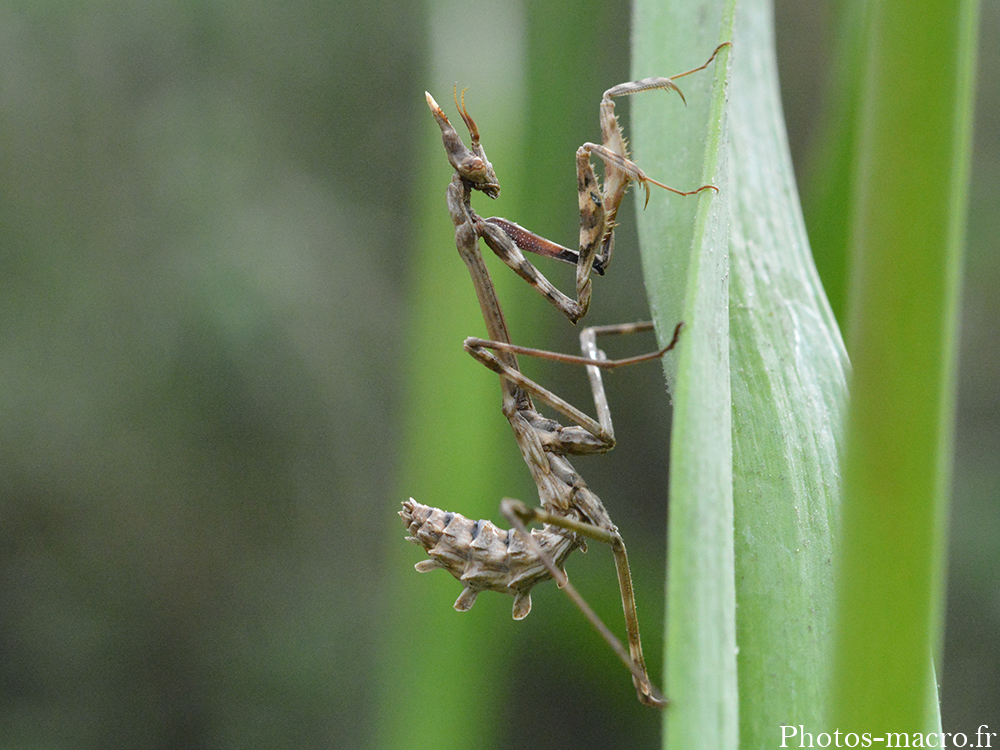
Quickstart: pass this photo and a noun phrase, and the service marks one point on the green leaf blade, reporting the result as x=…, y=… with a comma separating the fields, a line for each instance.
x=789, y=398
x=685, y=259
x=783, y=381
x=906, y=244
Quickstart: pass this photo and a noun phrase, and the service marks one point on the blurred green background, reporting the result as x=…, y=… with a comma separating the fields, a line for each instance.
x=207, y=221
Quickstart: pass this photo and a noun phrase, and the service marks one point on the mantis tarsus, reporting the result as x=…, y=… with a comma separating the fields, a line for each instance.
x=482, y=556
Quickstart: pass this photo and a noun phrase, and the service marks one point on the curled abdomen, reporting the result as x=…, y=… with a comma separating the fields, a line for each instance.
x=482, y=556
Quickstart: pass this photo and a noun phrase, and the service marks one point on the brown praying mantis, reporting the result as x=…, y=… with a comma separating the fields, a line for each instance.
x=480, y=555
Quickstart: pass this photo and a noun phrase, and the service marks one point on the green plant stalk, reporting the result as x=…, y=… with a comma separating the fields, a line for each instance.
x=684, y=246
x=789, y=402
x=826, y=192
x=430, y=695
x=770, y=410
x=906, y=247
x=439, y=674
